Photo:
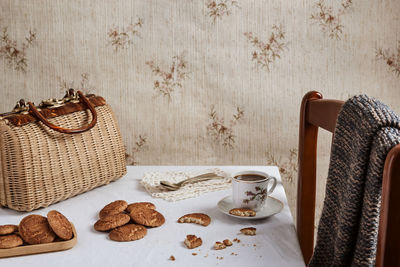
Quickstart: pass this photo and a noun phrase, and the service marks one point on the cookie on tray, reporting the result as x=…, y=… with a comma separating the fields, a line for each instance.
x=199, y=218
x=147, y=217
x=243, y=212
x=8, y=229
x=10, y=241
x=111, y=222
x=140, y=205
x=35, y=229
x=128, y=232
x=112, y=208
x=60, y=225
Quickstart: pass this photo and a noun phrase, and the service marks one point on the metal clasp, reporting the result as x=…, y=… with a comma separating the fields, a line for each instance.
x=21, y=107
x=52, y=102
x=71, y=96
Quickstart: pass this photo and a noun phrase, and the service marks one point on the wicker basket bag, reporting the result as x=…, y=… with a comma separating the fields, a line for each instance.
x=58, y=150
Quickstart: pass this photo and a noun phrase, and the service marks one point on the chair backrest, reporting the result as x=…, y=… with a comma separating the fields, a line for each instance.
x=316, y=112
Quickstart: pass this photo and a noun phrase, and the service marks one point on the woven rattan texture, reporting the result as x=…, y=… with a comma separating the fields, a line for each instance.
x=40, y=166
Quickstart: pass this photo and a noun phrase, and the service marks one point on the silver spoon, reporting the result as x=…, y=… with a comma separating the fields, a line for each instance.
x=199, y=178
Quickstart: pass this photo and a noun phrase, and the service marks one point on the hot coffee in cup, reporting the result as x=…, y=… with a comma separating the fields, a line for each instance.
x=250, y=189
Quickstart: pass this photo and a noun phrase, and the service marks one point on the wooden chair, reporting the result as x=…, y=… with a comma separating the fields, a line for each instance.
x=316, y=112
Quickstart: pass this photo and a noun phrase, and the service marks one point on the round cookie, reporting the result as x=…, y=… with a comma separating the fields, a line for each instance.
x=10, y=241
x=140, y=205
x=35, y=229
x=147, y=217
x=112, y=208
x=111, y=222
x=128, y=232
x=8, y=229
x=60, y=225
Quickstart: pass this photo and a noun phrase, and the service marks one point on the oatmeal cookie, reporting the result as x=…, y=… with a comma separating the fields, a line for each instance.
x=147, y=205
x=128, y=232
x=10, y=241
x=147, y=217
x=111, y=222
x=112, y=208
x=60, y=225
x=35, y=229
x=8, y=229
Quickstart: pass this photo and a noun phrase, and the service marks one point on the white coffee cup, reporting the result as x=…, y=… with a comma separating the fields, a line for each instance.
x=250, y=189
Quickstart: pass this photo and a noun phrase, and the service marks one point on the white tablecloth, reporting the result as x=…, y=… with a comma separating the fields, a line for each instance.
x=274, y=245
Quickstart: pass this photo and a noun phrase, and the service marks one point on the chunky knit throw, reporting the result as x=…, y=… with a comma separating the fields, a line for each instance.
x=366, y=130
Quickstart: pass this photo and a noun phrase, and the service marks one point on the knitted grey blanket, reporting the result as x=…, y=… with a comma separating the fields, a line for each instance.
x=366, y=130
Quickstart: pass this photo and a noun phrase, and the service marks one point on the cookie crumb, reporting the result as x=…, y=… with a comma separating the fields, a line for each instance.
x=227, y=242
x=248, y=231
x=254, y=245
x=236, y=240
x=172, y=258
x=219, y=245
x=220, y=258
x=194, y=254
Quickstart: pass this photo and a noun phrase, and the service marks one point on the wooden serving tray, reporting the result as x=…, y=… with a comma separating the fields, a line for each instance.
x=40, y=248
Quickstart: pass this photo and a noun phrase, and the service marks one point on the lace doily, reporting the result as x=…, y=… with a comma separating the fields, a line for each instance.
x=151, y=182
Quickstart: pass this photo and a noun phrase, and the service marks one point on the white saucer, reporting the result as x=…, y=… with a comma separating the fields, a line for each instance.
x=272, y=206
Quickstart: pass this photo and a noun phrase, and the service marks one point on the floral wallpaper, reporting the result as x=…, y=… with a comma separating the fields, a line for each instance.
x=206, y=82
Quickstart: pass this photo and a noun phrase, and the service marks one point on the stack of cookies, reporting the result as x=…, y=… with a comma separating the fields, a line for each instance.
x=36, y=229
x=128, y=222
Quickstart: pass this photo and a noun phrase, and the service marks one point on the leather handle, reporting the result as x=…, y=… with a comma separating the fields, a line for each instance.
x=85, y=128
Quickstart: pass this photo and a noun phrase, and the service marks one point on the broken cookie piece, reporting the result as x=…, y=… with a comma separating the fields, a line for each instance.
x=248, y=231
x=227, y=242
x=193, y=241
x=242, y=212
x=219, y=245
x=199, y=218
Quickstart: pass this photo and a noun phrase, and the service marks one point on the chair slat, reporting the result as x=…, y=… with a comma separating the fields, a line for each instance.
x=323, y=113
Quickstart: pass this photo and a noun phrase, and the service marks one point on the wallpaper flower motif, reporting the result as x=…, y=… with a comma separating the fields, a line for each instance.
x=14, y=54
x=221, y=132
x=266, y=53
x=287, y=166
x=123, y=37
x=329, y=19
x=172, y=79
x=390, y=58
x=140, y=145
x=83, y=85
x=219, y=8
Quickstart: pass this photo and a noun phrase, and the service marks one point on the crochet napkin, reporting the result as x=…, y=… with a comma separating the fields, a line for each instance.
x=151, y=182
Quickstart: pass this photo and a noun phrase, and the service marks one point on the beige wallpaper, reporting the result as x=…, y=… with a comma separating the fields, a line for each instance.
x=203, y=82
